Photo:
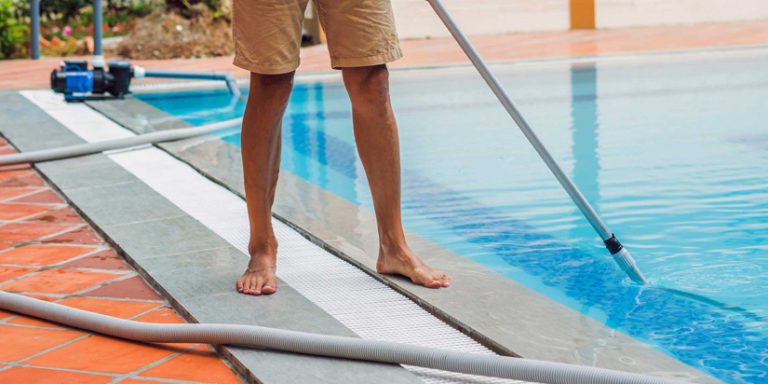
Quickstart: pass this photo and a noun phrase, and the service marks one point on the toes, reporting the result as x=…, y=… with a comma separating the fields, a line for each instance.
x=269, y=287
x=445, y=281
x=257, y=287
x=239, y=285
x=253, y=286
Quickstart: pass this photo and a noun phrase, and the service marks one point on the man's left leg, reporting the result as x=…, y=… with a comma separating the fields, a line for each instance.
x=377, y=143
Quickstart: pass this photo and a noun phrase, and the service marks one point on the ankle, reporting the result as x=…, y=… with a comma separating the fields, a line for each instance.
x=262, y=245
x=392, y=241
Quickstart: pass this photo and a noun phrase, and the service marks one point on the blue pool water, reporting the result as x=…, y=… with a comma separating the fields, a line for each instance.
x=672, y=151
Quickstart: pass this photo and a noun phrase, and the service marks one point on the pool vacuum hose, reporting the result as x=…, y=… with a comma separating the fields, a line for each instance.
x=106, y=145
x=323, y=345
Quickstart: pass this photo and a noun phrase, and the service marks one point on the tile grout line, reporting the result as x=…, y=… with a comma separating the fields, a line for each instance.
x=119, y=376
x=34, y=192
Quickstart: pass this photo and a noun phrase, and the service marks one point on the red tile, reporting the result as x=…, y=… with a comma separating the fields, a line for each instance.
x=107, y=259
x=20, y=231
x=141, y=381
x=7, y=193
x=17, y=343
x=13, y=211
x=59, y=281
x=133, y=288
x=28, y=320
x=123, y=309
x=162, y=315
x=41, y=255
x=13, y=174
x=26, y=178
x=57, y=215
x=29, y=375
x=7, y=273
x=83, y=235
x=167, y=316
x=102, y=354
x=48, y=197
x=201, y=364
x=5, y=245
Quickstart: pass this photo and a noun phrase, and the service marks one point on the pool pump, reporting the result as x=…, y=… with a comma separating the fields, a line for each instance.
x=77, y=82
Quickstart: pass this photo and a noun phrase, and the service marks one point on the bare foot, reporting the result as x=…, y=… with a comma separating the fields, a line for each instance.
x=259, y=278
x=402, y=261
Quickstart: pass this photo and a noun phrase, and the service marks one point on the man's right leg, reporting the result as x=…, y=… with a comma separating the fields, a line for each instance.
x=260, y=147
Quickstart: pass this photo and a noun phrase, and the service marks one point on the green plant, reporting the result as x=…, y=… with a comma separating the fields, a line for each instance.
x=13, y=31
x=63, y=10
x=194, y=8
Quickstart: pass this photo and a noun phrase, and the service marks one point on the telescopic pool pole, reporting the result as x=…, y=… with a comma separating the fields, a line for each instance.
x=620, y=254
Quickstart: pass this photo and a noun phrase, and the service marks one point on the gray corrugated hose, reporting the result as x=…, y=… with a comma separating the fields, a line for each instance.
x=322, y=345
x=107, y=145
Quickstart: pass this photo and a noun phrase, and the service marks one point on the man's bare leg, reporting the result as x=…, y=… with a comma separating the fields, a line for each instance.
x=260, y=147
x=378, y=146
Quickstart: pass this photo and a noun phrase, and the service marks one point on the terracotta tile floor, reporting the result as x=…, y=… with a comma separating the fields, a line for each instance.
x=22, y=74
x=47, y=251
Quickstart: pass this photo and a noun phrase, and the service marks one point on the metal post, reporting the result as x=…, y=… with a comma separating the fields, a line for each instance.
x=98, y=57
x=621, y=255
x=35, y=37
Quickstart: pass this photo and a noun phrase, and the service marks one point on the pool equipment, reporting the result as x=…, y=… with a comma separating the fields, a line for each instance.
x=323, y=345
x=620, y=254
x=106, y=145
x=77, y=82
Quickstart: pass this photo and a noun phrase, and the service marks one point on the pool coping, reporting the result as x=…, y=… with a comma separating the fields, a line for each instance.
x=545, y=330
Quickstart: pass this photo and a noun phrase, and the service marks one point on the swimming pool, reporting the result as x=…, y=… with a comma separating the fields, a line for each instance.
x=673, y=152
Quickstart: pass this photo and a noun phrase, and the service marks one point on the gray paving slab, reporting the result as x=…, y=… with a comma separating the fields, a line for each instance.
x=92, y=171
x=500, y=313
x=30, y=127
x=122, y=203
x=183, y=258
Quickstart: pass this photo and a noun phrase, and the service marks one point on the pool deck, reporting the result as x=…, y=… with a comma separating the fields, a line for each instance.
x=26, y=74
x=28, y=199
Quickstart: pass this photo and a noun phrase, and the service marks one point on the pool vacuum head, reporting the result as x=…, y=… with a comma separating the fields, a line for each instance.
x=76, y=81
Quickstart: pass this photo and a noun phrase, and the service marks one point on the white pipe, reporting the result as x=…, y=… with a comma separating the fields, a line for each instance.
x=323, y=345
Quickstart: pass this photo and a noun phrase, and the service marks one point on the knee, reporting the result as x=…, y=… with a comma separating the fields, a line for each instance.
x=271, y=88
x=367, y=85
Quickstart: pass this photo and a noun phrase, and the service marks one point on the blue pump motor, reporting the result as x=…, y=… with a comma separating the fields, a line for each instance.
x=76, y=81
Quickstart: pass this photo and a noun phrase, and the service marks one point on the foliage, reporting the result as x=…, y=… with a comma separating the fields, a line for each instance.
x=13, y=31
x=62, y=10
x=194, y=8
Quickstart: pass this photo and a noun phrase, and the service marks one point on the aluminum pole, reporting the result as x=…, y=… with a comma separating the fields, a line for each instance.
x=35, y=36
x=621, y=255
x=98, y=57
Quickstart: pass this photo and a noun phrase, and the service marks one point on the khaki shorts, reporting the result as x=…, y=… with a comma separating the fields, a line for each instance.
x=267, y=33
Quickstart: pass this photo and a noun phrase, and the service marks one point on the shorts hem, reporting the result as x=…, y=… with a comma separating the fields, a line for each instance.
x=383, y=58
x=265, y=69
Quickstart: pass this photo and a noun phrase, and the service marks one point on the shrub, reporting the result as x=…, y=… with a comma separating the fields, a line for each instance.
x=14, y=32
x=194, y=8
x=64, y=10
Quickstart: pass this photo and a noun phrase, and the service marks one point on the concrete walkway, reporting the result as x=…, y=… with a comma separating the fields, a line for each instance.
x=25, y=74
x=49, y=252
